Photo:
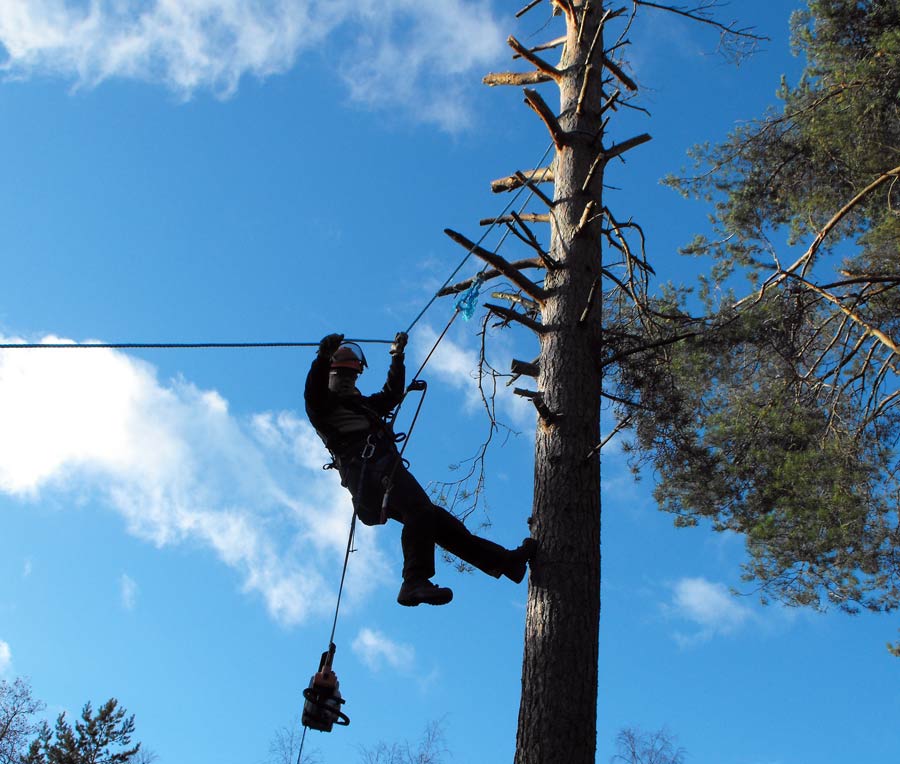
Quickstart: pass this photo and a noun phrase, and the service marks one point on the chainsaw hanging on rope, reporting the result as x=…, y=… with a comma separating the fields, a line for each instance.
x=322, y=709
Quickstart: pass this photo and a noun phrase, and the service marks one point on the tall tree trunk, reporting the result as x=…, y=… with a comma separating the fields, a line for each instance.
x=557, y=715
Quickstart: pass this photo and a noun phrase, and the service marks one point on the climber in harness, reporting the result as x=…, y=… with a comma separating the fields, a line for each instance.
x=354, y=430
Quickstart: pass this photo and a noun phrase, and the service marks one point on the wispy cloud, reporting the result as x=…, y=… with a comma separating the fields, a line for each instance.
x=128, y=590
x=179, y=467
x=5, y=657
x=375, y=649
x=708, y=607
x=390, y=52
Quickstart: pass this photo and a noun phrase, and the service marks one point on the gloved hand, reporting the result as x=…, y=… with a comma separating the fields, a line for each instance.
x=399, y=343
x=329, y=344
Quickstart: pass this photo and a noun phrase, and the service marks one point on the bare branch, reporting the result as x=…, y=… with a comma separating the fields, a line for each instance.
x=546, y=46
x=515, y=78
x=528, y=217
x=534, y=100
x=538, y=400
x=746, y=38
x=621, y=148
x=535, y=190
x=523, y=11
x=619, y=74
x=512, y=182
x=501, y=264
x=462, y=286
x=508, y=314
x=536, y=61
x=530, y=305
x=524, y=368
x=531, y=240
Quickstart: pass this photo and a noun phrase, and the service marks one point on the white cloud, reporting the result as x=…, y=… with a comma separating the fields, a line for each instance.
x=5, y=657
x=399, y=50
x=375, y=649
x=180, y=468
x=128, y=589
x=709, y=607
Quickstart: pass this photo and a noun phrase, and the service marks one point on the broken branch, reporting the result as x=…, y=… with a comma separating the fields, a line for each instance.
x=533, y=59
x=535, y=190
x=462, y=286
x=534, y=100
x=512, y=182
x=529, y=217
x=621, y=148
x=515, y=78
x=508, y=314
x=501, y=264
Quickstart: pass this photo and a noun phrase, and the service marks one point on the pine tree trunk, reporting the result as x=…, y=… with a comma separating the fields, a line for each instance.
x=557, y=715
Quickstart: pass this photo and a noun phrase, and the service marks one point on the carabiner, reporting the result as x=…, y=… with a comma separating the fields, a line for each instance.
x=369, y=449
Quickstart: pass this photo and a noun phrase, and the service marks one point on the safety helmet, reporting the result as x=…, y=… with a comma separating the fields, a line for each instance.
x=349, y=356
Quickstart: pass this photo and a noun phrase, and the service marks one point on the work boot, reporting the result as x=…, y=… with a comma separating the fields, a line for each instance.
x=416, y=592
x=517, y=560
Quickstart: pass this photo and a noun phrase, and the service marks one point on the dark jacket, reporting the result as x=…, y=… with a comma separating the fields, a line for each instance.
x=345, y=421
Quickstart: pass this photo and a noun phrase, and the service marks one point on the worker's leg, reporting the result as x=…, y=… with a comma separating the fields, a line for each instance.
x=425, y=524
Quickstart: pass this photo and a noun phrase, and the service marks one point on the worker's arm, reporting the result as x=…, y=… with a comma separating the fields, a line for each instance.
x=315, y=393
x=394, y=387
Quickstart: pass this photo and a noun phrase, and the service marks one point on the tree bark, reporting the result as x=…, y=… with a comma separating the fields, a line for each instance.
x=557, y=715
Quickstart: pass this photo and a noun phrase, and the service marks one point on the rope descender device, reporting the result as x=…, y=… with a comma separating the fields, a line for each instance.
x=322, y=709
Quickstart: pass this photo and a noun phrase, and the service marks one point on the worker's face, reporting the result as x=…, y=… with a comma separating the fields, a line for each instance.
x=342, y=381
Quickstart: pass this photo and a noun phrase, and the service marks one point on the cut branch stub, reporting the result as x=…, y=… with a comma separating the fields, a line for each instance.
x=621, y=148
x=501, y=264
x=515, y=78
x=525, y=368
x=512, y=182
x=619, y=74
x=531, y=58
x=528, y=217
x=508, y=314
x=537, y=399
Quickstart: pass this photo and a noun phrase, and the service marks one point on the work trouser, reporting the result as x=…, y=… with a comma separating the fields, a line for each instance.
x=424, y=522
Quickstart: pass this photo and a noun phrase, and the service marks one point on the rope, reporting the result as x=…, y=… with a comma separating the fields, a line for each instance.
x=478, y=243
x=121, y=345
x=302, y=741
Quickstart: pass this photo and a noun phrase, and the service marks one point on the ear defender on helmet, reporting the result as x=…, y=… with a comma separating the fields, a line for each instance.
x=349, y=356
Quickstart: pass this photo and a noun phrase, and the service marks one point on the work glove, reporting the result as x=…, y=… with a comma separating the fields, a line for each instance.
x=399, y=343
x=329, y=344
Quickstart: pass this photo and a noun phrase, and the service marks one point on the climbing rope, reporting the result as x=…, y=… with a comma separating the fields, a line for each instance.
x=167, y=345
x=490, y=228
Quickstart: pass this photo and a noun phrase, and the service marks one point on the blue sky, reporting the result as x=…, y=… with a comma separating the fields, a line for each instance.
x=229, y=170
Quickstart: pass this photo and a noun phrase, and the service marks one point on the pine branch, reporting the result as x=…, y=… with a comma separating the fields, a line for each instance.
x=529, y=305
x=534, y=60
x=535, y=190
x=512, y=182
x=621, y=148
x=515, y=78
x=462, y=286
x=523, y=11
x=529, y=217
x=545, y=46
x=534, y=100
x=500, y=264
x=508, y=314
x=619, y=74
